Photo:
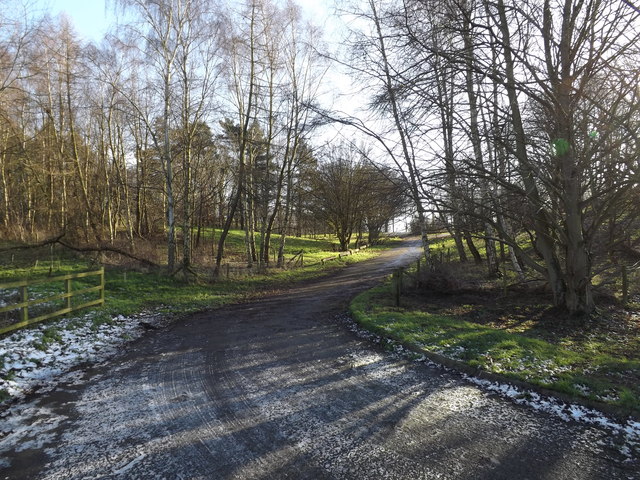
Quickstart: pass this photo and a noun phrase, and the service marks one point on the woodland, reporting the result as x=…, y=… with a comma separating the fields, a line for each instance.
x=511, y=124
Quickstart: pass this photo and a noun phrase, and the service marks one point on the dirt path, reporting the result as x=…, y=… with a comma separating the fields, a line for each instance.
x=280, y=388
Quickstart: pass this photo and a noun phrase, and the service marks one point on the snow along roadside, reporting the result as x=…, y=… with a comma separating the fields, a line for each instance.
x=40, y=356
x=624, y=437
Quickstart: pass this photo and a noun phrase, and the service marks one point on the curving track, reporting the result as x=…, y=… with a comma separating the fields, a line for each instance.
x=280, y=389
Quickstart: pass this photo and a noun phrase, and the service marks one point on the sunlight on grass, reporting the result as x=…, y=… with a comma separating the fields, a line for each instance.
x=589, y=371
x=128, y=292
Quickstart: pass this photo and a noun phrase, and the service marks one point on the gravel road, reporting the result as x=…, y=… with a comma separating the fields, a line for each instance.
x=281, y=388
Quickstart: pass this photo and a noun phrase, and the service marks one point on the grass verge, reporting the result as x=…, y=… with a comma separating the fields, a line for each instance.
x=586, y=368
x=129, y=292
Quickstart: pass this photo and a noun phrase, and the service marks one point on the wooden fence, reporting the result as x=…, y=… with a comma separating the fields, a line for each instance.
x=25, y=303
x=629, y=274
x=342, y=254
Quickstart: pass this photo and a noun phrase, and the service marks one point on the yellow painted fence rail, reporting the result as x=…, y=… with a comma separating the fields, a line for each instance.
x=25, y=303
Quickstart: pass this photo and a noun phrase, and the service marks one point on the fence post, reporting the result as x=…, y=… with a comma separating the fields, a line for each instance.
x=397, y=285
x=67, y=289
x=24, y=297
x=24, y=303
x=102, y=286
x=625, y=285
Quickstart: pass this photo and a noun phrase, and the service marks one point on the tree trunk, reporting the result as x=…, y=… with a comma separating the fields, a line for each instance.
x=476, y=142
x=577, y=278
x=244, y=134
x=248, y=213
x=472, y=247
x=168, y=171
x=287, y=216
x=187, y=221
x=3, y=179
x=413, y=174
x=544, y=241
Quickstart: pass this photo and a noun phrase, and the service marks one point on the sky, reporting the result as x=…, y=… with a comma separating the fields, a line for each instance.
x=92, y=19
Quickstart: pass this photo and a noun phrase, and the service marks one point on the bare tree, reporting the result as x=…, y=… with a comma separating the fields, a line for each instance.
x=536, y=67
x=241, y=55
x=159, y=26
x=197, y=65
x=372, y=61
x=340, y=189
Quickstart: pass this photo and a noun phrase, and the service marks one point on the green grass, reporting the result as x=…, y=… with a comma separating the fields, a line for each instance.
x=315, y=247
x=591, y=369
x=128, y=292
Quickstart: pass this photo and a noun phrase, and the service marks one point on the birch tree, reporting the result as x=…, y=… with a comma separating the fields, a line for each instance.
x=159, y=25
x=243, y=62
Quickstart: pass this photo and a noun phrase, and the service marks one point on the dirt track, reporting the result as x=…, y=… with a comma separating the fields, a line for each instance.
x=280, y=388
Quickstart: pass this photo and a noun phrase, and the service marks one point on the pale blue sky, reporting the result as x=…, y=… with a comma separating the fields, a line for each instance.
x=92, y=20
x=89, y=17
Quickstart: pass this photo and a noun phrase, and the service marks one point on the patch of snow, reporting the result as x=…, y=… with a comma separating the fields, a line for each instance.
x=129, y=465
x=30, y=359
x=582, y=388
x=630, y=431
x=455, y=352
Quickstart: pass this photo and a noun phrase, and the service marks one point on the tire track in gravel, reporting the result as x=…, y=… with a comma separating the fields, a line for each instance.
x=279, y=388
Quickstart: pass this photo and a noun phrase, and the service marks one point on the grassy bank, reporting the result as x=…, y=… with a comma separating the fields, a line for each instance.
x=585, y=359
x=130, y=291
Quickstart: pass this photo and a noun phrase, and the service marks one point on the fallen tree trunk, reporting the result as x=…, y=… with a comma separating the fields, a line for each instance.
x=108, y=248
x=59, y=239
